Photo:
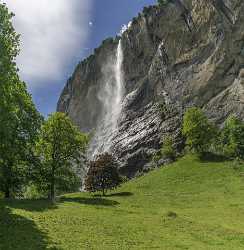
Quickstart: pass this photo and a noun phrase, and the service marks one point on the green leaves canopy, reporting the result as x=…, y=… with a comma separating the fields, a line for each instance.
x=19, y=119
x=9, y=46
x=197, y=129
x=102, y=174
x=61, y=147
x=232, y=138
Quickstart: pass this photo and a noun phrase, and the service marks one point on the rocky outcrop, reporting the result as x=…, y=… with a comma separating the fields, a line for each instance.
x=174, y=58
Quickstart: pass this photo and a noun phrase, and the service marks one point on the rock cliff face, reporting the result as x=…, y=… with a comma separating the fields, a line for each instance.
x=175, y=56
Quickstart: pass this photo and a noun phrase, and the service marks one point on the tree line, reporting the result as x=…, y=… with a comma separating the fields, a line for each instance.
x=202, y=136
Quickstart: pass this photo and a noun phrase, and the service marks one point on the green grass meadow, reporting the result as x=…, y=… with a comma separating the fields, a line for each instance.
x=190, y=204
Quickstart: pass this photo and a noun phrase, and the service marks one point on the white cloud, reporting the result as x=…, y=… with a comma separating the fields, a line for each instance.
x=52, y=32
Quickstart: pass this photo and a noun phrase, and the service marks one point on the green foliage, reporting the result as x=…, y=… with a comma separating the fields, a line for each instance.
x=33, y=192
x=19, y=119
x=102, y=174
x=197, y=129
x=157, y=156
x=232, y=138
x=168, y=150
x=60, y=147
x=9, y=46
x=124, y=179
x=162, y=2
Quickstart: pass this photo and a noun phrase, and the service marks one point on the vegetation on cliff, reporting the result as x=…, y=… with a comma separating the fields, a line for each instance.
x=198, y=130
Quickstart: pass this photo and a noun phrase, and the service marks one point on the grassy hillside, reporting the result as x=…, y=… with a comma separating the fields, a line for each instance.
x=189, y=205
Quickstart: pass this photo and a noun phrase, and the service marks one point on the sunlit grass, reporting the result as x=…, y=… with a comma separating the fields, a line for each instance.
x=191, y=204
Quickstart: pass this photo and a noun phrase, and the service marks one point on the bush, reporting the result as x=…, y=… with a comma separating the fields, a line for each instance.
x=157, y=156
x=102, y=174
x=168, y=150
x=124, y=179
x=172, y=214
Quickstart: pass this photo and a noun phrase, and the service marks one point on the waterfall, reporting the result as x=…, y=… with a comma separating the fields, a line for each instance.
x=111, y=97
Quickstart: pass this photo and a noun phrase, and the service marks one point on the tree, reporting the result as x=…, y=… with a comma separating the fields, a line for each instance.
x=60, y=147
x=232, y=138
x=197, y=129
x=19, y=119
x=9, y=47
x=102, y=174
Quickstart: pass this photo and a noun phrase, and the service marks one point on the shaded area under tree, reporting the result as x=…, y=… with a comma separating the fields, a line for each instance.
x=20, y=233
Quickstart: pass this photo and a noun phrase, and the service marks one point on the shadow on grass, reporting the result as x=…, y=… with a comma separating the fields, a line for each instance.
x=18, y=232
x=90, y=201
x=43, y=204
x=211, y=157
x=121, y=194
x=31, y=205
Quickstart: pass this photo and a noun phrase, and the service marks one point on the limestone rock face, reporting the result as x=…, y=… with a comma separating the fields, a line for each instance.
x=175, y=56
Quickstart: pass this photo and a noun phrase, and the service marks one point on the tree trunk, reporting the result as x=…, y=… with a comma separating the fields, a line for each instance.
x=52, y=187
x=52, y=192
x=7, y=193
x=103, y=187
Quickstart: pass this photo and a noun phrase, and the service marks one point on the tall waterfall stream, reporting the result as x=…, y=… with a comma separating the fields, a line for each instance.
x=111, y=97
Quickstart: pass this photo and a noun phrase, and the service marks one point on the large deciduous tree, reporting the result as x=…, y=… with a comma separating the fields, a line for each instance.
x=19, y=119
x=60, y=147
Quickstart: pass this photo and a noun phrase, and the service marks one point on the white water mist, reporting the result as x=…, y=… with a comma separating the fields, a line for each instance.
x=111, y=97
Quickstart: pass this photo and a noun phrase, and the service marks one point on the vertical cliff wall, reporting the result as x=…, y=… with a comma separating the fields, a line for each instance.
x=174, y=56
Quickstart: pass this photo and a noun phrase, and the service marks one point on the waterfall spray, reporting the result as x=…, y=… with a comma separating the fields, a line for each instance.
x=111, y=97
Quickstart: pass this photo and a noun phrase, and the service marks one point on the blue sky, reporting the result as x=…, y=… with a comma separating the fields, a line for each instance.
x=57, y=34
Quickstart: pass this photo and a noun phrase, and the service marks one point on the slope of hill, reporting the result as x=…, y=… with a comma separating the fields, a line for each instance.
x=191, y=204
